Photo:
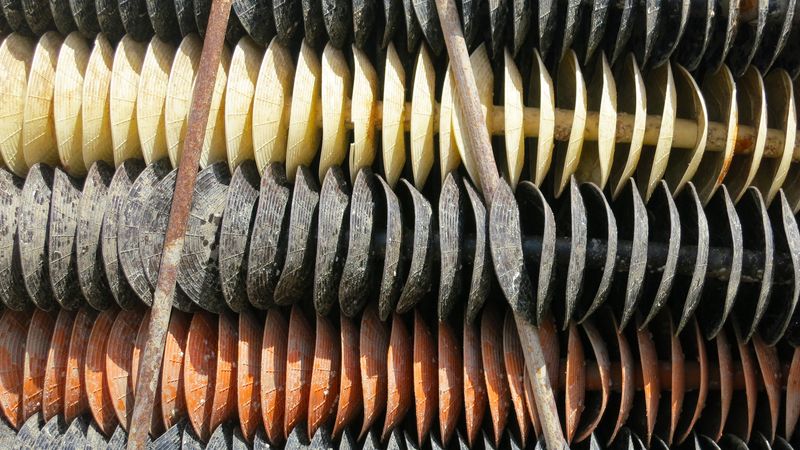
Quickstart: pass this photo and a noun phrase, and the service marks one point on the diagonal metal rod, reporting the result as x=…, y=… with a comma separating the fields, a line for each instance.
x=150, y=366
x=479, y=146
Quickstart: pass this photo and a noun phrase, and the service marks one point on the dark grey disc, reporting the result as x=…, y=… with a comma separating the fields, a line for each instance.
x=151, y=230
x=356, y=286
x=322, y=439
x=85, y=16
x=470, y=13
x=190, y=441
x=632, y=224
x=428, y=19
x=732, y=441
x=571, y=224
x=522, y=12
x=619, y=28
x=37, y=14
x=51, y=433
x=202, y=10
x=549, y=23
x=722, y=38
x=298, y=439
x=334, y=201
x=198, y=270
x=372, y=441
x=170, y=439
x=235, y=234
x=163, y=19
x=697, y=36
x=260, y=441
x=296, y=277
x=92, y=207
x=752, y=23
x=347, y=442
x=238, y=441
x=498, y=19
x=363, y=21
x=789, y=58
x=505, y=235
x=481, y=259
x=133, y=14
x=95, y=437
x=288, y=16
x=674, y=19
x=12, y=11
x=391, y=11
x=396, y=441
x=393, y=264
x=184, y=13
x=776, y=33
x=419, y=281
x=221, y=438
x=62, y=16
x=336, y=14
x=61, y=254
x=117, y=194
x=269, y=236
x=32, y=231
x=75, y=436
x=130, y=220
x=312, y=21
x=649, y=21
x=602, y=227
x=256, y=19
x=596, y=23
x=119, y=440
x=451, y=235
x=30, y=430
x=4, y=27
x=12, y=288
x=8, y=436
x=109, y=19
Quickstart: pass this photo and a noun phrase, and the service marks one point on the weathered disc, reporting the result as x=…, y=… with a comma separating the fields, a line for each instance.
x=184, y=14
x=596, y=402
x=648, y=24
x=516, y=376
x=190, y=441
x=451, y=373
x=570, y=95
x=248, y=374
x=94, y=370
x=95, y=437
x=694, y=347
x=119, y=351
x=130, y=220
x=744, y=403
x=62, y=224
x=331, y=239
x=75, y=393
x=675, y=16
x=171, y=439
x=235, y=235
x=224, y=404
x=668, y=347
x=475, y=399
x=645, y=408
x=55, y=372
x=119, y=439
x=548, y=21
x=373, y=345
x=497, y=388
x=51, y=433
x=572, y=18
x=575, y=381
x=356, y=283
x=156, y=426
x=393, y=264
x=296, y=277
x=522, y=13
x=312, y=22
x=619, y=28
x=109, y=19
x=571, y=225
x=268, y=236
x=719, y=91
x=37, y=343
x=752, y=106
x=350, y=399
x=451, y=229
x=392, y=10
x=173, y=404
x=32, y=234
x=91, y=209
x=12, y=11
x=773, y=172
x=419, y=281
x=273, y=374
x=632, y=223
x=749, y=34
x=256, y=19
x=631, y=99
x=163, y=19
x=336, y=14
x=62, y=16
x=84, y=13
x=718, y=403
x=601, y=226
x=347, y=442
x=697, y=35
x=363, y=20
x=481, y=263
x=299, y=362
x=221, y=438
x=288, y=17
x=325, y=375
x=12, y=288
x=37, y=14
x=30, y=430
x=133, y=14
x=199, y=371
x=202, y=9
x=399, y=376
x=618, y=350
x=428, y=19
x=789, y=58
x=75, y=436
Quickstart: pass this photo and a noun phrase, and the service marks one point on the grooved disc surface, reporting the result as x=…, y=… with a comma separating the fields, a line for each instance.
x=173, y=402
x=363, y=20
x=62, y=225
x=37, y=14
x=55, y=373
x=373, y=345
x=12, y=288
x=62, y=16
x=135, y=20
x=94, y=373
x=224, y=404
x=356, y=284
x=163, y=19
x=312, y=21
x=299, y=361
x=256, y=19
x=37, y=343
x=331, y=239
x=418, y=284
x=273, y=374
x=248, y=374
x=451, y=229
x=32, y=234
x=235, y=234
x=393, y=270
x=349, y=399
x=92, y=207
x=16, y=56
x=84, y=13
x=12, y=10
x=324, y=376
x=481, y=265
x=75, y=397
x=109, y=20
x=184, y=13
x=119, y=352
x=337, y=19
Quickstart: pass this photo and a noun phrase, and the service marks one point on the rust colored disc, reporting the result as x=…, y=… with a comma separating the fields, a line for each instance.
x=273, y=375
x=515, y=373
x=694, y=345
x=494, y=370
x=119, y=352
x=75, y=400
x=324, y=377
x=54, y=375
x=173, y=403
x=751, y=376
x=575, y=387
x=13, y=328
x=793, y=395
x=652, y=388
x=299, y=359
x=399, y=375
x=600, y=350
x=373, y=343
x=350, y=400
x=37, y=344
x=248, y=368
x=94, y=373
x=425, y=368
x=156, y=425
x=771, y=376
x=225, y=385
x=199, y=370
x=451, y=381
x=475, y=399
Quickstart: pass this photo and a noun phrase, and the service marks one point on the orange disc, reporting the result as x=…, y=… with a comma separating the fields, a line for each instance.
x=325, y=376
x=475, y=399
x=13, y=328
x=156, y=425
x=173, y=404
x=515, y=372
x=373, y=343
x=55, y=373
x=399, y=375
x=94, y=373
x=425, y=373
x=273, y=374
x=350, y=379
x=451, y=382
x=494, y=370
x=299, y=359
x=37, y=344
x=75, y=401
x=248, y=368
x=225, y=384
x=199, y=370
x=119, y=353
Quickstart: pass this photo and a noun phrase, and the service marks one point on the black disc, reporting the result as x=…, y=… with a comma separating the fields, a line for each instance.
x=357, y=283
x=12, y=288
x=363, y=21
x=633, y=227
x=498, y=19
x=392, y=10
x=470, y=11
x=109, y=19
x=30, y=430
x=723, y=34
x=288, y=17
x=393, y=264
x=37, y=14
x=428, y=19
x=133, y=14
x=75, y=436
x=12, y=11
x=338, y=21
x=697, y=36
x=674, y=20
x=184, y=14
x=312, y=22
x=256, y=19
x=85, y=16
x=601, y=227
x=481, y=278
x=163, y=19
x=417, y=212
x=32, y=232
x=221, y=438
x=649, y=22
x=93, y=206
x=451, y=234
x=51, y=433
x=777, y=32
x=62, y=16
x=61, y=254
x=621, y=18
x=334, y=201
x=789, y=58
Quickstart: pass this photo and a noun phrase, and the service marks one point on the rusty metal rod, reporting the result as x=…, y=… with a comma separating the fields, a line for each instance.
x=150, y=366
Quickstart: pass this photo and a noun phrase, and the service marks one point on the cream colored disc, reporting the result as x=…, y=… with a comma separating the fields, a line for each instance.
x=152, y=98
x=661, y=98
x=543, y=96
x=179, y=94
x=67, y=101
x=513, y=120
x=750, y=97
x=38, y=125
x=423, y=108
x=570, y=95
x=214, y=142
x=781, y=116
x=336, y=83
x=719, y=90
x=683, y=163
x=632, y=101
x=448, y=153
x=304, y=133
x=241, y=88
x=271, y=105
x=596, y=157
x=97, y=144
x=362, y=113
x=392, y=128
x=16, y=56
x=122, y=106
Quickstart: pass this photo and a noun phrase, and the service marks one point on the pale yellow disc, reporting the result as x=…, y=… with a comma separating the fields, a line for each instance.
x=782, y=117
x=661, y=99
x=271, y=105
x=752, y=102
x=38, y=125
x=448, y=153
x=392, y=127
x=597, y=156
x=570, y=95
x=484, y=78
x=683, y=163
x=67, y=101
x=97, y=144
x=542, y=96
x=16, y=56
x=513, y=120
x=241, y=88
x=152, y=98
x=304, y=133
x=179, y=94
x=214, y=142
x=362, y=113
x=632, y=101
x=423, y=109
x=336, y=83
x=122, y=106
